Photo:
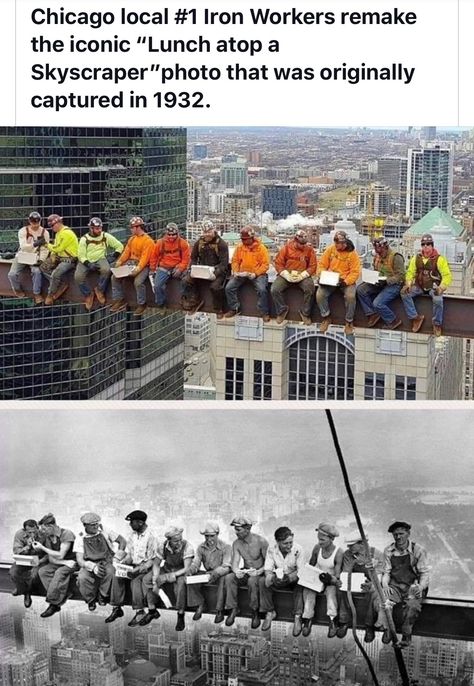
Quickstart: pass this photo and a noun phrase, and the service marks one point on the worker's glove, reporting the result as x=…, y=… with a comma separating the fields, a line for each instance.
x=38, y=242
x=304, y=275
x=177, y=273
x=285, y=274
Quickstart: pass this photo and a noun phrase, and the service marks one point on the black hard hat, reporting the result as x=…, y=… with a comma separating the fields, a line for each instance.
x=137, y=514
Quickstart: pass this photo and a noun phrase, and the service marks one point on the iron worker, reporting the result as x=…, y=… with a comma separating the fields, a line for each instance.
x=169, y=258
x=214, y=557
x=210, y=250
x=375, y=298
x=94, y=553
x=295, y=263
x=250, y=550
x=327, y=557
x=22, y=576
x=30, y=239
x=172, y=562
x=283, y=563
x=92, y=258
x=140, y=553
x=405, y=578
x=136, y=253
x=250, y=262
x=355, y=560
x=63, y=257
x=55, y=575
x=342, y=258
x=429, y=273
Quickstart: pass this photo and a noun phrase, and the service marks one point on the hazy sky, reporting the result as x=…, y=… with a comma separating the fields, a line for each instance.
x=57, y=445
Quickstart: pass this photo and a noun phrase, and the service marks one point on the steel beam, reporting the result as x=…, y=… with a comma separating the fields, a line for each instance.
x=458, y=316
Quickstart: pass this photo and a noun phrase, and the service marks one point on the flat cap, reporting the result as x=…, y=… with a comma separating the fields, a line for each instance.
x=210, y=528
x=47, y=519
x=354, y=537
x=241, y=520
x=328, y=529
x=90, y=518
x=137, y=514
x=173, y=531
x=399, y=525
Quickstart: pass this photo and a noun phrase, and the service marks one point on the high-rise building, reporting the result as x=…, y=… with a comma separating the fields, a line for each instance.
x=375, y=200
x=199, y=151
x=428, y=133
x=392, y=171
x=238, y=209
x=234, y=175
x=23, y=668
x=63, y=352
x=194, y=189
x=280, y=200
x=429, y=180
x=224, y=655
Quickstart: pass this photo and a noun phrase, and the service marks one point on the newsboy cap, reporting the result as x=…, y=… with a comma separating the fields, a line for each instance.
x=354, y=537
x=137, y=514
x=210, y=528
x=90, y=518
x=173, y=531
x=47, y=519
x=328, y=529
x=241, y=520
x=398, y=525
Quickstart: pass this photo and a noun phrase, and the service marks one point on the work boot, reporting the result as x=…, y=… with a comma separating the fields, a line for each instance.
x=266, y=318
x=348, y=328
x=267, y=622
x=437, y=330
x=139, y=615
x=50, y=611
x=324, y=326
x=16, y=592
x=38, y=299
x=282, y=316
x=386, y=637
x=102, y=601
x=100, y=295
x=332, y=629
x=198, y=614
x=19, y=294
x=139, y=310
x=219, y=315
x=118, y=305
x=307, y=626
x=372, y=320
x=417, y=322
x=180, y=622
x=92, y=605
x=89, y=301
x=219, y=617
x=231, y=618
x=115, y=614
x=255, y=620
x=297, y=626
x=393, y=325
x=342, y=630
x=149, y=617
x=305, y=318
x=231, y=313
x=406, y=640
x=27, y=601
x=369, y=635
x=55, y=296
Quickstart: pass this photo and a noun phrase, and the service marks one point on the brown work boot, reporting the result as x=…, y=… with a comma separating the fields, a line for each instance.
x=118, y=305
x=39, y=300
x=348, y=328
x=61, y=290
x=305, y=318
x=139, y=310
x=282, y=316
x=372, y=320
x=417, y=322
x=89, y=301
x=231, y=313
x=266, y=318
x=100, y=295
x=19, y=294
x=219, y=315
x=437, y=330
x=324, y=326
x=393, y=325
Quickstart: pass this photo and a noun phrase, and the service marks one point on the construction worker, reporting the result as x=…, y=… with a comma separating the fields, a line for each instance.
x=405, y=579
x=375, y=298
x=214, y=557
x=169, y=258
x=92, y=257
x=327, y=557
x=342, y=258
x=136, y=253
x=94, y=553
x=212, y=251
x=23, y=576
x=27, y=238
x=170, y=566
x=295, y=263
x=250, y=262
x=283, y=563
x=62, y=257
x=56, y=574
x=250, y=550
x=356, y=561
x=429, y=273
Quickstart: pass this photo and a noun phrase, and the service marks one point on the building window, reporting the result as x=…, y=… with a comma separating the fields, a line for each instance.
x=405, y=387
x=374, y=388
x=320, y=368
x=234, y=378
x=262, y=380
x=248, y=329
x=391, y=342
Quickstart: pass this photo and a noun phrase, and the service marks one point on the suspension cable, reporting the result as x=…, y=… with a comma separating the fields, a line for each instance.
x=373, y=575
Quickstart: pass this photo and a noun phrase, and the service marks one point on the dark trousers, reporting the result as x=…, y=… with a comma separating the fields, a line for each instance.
x=370, y=608
x=55, y=579
x=90, y=585
x=174, y=588
x=23, y=577
x=119, y=586
x=231, y=591
x=266, y=594
x=280, y=285
x=191, y=291
x=195, y=595
x=411, y=607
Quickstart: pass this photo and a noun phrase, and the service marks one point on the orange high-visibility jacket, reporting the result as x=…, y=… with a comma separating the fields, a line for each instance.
x=252, y=258
x=345, y=262
x=138, y=248
x=296, y=257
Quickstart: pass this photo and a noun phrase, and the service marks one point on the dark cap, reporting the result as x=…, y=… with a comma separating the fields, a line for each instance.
x=398, y=525
x=427, y=238
x=137, y=514
x=47, y=519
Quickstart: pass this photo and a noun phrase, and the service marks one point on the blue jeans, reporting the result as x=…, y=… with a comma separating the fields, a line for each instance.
x=375, y=299
x=322, y=298
x=410, y=309
x=139, y=283
x=162, y=277
x=101, y=266
x=14, y=274
x=260, y=285
x=57, y=275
